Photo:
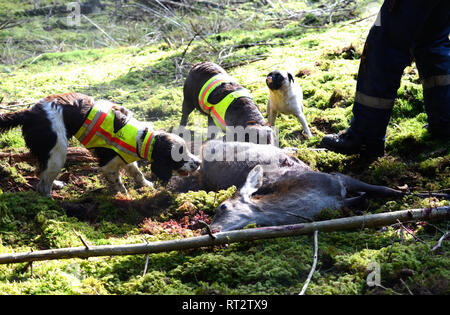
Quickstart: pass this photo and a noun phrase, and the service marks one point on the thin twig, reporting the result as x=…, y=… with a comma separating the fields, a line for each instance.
x=208, y=228
x=384, y=288
x=196, y=32
x=146, y=260
x=257, y=44
x=187, y=47
x=390, y=250
x=36, y=58
x=313, y=268
x=401, y=234
x=101, y=30
x=411, y=233
x=360, y=20
x=439, y=243
x=82, y=239
x=300, y=216
x=406, y=286
x=31, y=266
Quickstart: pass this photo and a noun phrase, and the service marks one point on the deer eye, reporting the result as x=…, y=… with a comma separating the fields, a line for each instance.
x=223, y=207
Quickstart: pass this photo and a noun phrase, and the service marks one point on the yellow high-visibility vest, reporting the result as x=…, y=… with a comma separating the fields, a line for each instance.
x=218, y=111
x=97, y=131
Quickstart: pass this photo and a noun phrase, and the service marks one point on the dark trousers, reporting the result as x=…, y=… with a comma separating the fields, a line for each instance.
x=405, y=29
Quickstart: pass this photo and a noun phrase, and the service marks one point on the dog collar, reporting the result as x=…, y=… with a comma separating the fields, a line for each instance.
x=147, y=145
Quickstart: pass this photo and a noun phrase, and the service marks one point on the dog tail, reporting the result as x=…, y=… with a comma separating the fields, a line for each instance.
x=11, y=120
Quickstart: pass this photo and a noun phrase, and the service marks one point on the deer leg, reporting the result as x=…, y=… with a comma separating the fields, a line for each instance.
x=354, y=185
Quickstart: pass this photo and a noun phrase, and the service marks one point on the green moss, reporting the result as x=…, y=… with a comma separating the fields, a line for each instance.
x=202, y=200
x=12, y=139
x=45, y=58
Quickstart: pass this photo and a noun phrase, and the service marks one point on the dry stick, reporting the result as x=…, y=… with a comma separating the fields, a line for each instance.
x=410, y=233
x=196, y=32
x=372, y=220
x=406, y=286
x=82, y=240
x=384, y=288
x=36, y=58
x=401, y=234
x=313, y=268
x=208, y=228
x=31, y=267
x=101, y=30
x=300, y=216
x=257, y=44
x=146, y=260
x=390, y=250
x=359, y=20
x=439, y=244
x=187, y=47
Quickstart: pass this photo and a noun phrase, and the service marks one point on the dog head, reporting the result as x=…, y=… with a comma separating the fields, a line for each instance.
x=171, y=156
x=278, y=78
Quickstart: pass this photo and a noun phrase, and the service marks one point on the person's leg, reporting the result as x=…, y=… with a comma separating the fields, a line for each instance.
x=386, y=54
x=432, y=54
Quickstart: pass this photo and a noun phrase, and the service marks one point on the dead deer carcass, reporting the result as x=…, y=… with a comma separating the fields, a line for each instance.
x=225, y=164
x=294, y=198
x=275, y=187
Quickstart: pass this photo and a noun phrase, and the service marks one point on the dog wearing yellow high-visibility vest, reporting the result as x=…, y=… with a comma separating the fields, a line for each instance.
x=209, y=89
x=115, y=137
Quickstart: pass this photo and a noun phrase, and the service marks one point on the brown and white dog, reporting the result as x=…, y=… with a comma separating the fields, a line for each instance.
x=286, y=97
x=48, y=125
x=242, y=112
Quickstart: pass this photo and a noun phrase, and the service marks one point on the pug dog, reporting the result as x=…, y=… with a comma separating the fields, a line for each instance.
x=286, y=97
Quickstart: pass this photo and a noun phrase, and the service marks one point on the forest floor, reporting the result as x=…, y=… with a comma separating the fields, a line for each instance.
x=139, y=59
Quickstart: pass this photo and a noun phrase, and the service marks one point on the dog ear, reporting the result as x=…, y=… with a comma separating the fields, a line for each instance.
x=291, y=77
x=121, y=117
x=162, y=170
x=161, y=159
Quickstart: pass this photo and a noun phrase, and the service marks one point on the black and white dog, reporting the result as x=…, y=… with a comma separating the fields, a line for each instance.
x=49, y=124
x=286, y=97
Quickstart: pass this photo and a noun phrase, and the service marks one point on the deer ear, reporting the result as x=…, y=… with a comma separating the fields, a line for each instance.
x=253, y=182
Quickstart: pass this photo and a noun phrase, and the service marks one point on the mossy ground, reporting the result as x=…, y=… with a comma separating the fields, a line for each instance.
x=146, y=78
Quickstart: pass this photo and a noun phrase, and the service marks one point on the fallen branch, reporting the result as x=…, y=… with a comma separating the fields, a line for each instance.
x=372, y=220
x=74, y=154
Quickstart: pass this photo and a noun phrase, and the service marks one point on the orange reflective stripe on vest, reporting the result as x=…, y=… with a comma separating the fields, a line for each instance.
x=204, y=96
x=98, y=131
x=218, y=111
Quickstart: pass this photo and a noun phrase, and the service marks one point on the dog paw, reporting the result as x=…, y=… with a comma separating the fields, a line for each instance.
x=147, y=183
